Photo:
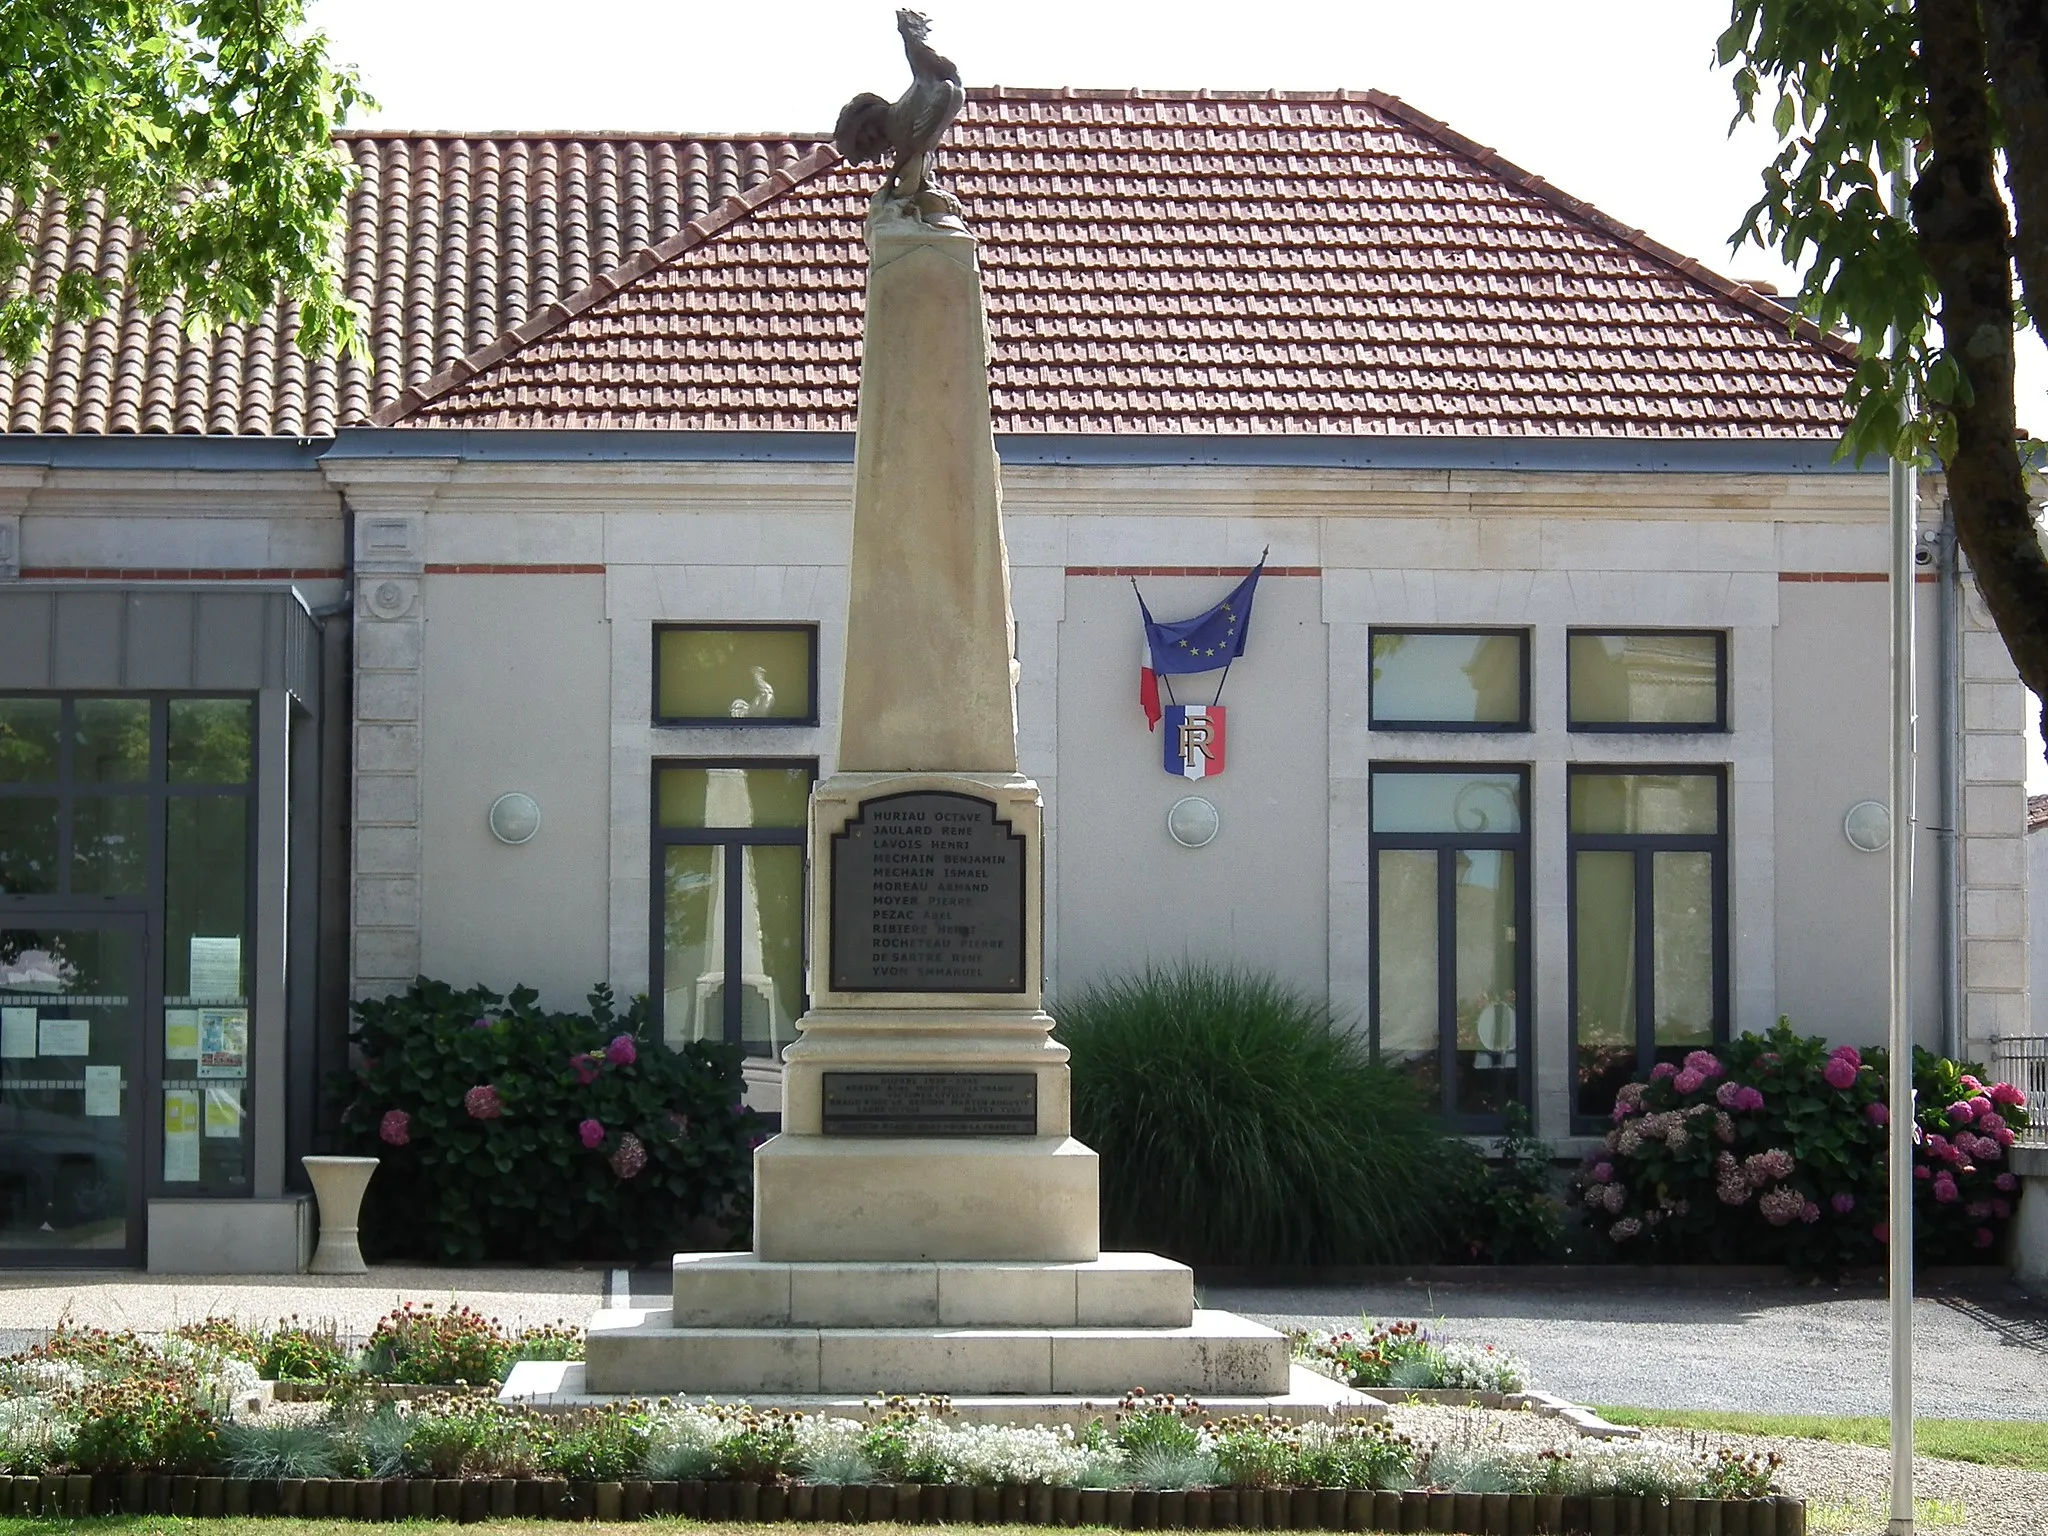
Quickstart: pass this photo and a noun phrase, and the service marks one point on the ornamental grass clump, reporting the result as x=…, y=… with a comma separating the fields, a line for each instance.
x=1774, y=1149
x=1238, y=1123
x=507, y=1131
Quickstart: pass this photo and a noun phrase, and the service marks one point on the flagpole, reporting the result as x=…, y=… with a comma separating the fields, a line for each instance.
x=1904, y=495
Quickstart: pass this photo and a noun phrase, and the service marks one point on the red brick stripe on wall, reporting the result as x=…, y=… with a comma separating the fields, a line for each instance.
x=515, y=570
x=1926, y=576
x=1190, y=570
x=165, y=573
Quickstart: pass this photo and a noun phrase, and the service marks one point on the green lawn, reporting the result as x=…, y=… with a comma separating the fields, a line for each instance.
x=240, y=1525
x=1991, y=1442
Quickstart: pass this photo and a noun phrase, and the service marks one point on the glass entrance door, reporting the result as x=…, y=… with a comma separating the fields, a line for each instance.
x=70, y=1001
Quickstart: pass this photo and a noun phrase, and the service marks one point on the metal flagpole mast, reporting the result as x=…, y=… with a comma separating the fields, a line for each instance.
x=1904, y=495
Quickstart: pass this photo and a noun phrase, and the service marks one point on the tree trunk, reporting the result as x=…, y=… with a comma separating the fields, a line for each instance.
x=2017, y=31
x=1959, y=219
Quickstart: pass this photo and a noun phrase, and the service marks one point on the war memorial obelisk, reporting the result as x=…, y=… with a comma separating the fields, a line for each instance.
x=925, y=1221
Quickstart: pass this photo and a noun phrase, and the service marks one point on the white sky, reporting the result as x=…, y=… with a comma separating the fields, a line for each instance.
x=1615, y=101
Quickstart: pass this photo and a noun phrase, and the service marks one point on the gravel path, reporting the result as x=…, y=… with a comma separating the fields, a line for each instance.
x=1981, y=1354
x=1847, y=1487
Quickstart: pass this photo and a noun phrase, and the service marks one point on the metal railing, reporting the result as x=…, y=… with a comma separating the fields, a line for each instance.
x=2022, y=1060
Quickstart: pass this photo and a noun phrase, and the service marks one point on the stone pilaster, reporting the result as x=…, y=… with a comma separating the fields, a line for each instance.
x=390, y=503
x=1994, y=856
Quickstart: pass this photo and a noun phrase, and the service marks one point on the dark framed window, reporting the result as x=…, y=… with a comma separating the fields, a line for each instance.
x=736, y=674
x=727, y=944
x=144, y=806
x=1633, y=680
x=1428, y=679
x=1648, y=851
x=1450, y=919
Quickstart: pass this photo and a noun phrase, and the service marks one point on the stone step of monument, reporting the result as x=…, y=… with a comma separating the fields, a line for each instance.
x=1218, y=1354
x=563, y=1386
x=1117, y=1290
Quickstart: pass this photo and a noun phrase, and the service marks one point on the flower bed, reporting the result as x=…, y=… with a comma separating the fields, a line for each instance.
x=1408, y=1356
x=1772, y=1149
x=98, y=1424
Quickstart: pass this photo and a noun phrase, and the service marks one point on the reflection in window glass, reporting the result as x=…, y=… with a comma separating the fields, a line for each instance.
x=28, y=845
x=1645, y=679
x=693, y=943
x=1484, y=1006
x=1446, y=679
x=1483, y=802
x=1604, y=975
x=733, y=797
x=109, y=845
x=206, y=897
x=771, y=944
x=1682, y=947
x=1651, y=803
x=210, y=740
x=734, y=674
x=110, y=741
x=1405, y=951
x=28, y=740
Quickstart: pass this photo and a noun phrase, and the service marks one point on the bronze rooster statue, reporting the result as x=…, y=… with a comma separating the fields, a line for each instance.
x=910, y=128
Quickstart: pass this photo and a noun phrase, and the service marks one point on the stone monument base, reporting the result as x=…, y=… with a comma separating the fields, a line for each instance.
x=745, y=1326
x=917, y=1199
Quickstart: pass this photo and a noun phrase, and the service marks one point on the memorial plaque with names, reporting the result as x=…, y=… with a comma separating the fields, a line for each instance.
x=927, y=896
x=931, y=1104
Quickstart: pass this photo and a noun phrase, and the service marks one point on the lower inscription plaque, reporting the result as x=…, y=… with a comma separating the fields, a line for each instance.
x=931, y=1104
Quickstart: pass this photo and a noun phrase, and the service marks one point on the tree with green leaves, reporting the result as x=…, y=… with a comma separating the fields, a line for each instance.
x=1947, y=94
x=206, y=127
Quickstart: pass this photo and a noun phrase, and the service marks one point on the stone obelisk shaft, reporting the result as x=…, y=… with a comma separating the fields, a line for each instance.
x=929, y=636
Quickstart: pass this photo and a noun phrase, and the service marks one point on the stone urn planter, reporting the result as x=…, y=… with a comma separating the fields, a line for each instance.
x=338, y=1185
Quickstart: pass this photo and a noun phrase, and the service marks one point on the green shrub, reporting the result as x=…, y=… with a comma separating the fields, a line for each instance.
x=144, y=1425
x=298, y=1351
x=432, y=1348
x=475, y=1437
x=1505, y=1212
x=510, y=1132
x=1773, y=1149
x=1237, y=1124
x=607, y=1447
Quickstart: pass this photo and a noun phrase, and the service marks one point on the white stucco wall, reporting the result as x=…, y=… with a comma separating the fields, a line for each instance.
x=1833, y=903
x=516, y=697
x=1128, y=895
x=1789, y=567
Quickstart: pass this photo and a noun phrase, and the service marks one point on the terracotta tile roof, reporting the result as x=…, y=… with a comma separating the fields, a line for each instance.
x=452, y=239
x=2037, y=812
x=1155, y=263
x=1186, y=263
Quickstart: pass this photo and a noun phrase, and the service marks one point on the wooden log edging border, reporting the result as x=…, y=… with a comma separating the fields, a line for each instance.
x=470, y=1500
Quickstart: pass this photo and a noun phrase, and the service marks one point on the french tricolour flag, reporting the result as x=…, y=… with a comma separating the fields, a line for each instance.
x=1148, y=683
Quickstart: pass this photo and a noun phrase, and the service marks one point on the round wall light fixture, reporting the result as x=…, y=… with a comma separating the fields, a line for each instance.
x=1868, y=826
x=1193, y=822
x=515, y=818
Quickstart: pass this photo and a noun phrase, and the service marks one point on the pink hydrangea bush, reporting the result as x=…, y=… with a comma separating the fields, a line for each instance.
x=1772, y=1149
x=507, y=1131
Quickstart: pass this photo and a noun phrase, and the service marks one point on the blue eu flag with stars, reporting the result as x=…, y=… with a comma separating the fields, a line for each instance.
x=1207, y=641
